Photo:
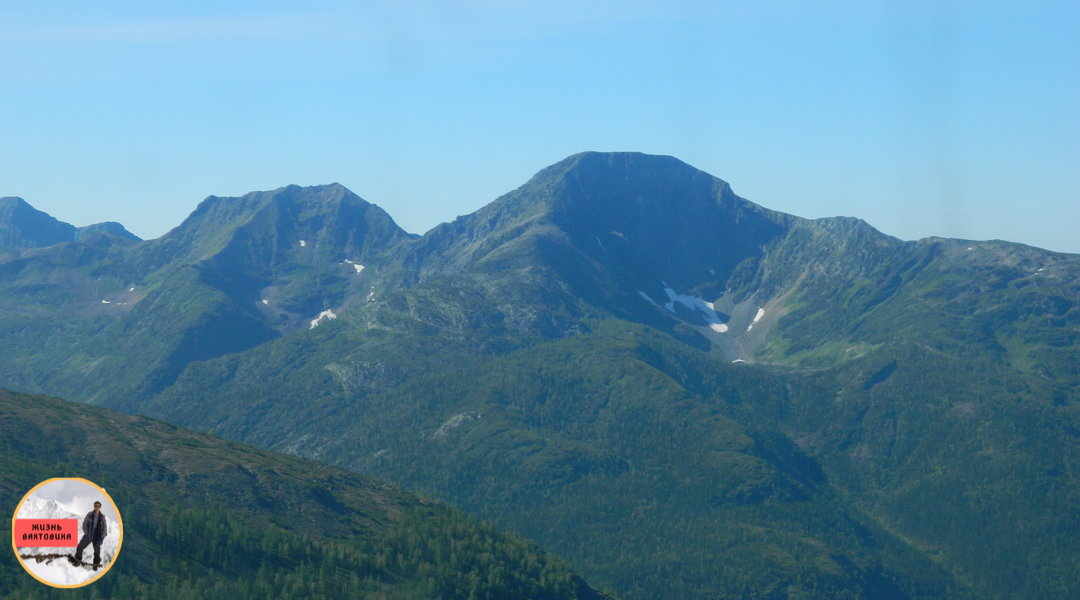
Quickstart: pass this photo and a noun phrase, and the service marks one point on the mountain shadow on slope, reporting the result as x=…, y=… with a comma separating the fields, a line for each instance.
x=23, y=226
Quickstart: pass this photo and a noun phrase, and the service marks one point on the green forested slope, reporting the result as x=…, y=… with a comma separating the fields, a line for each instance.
x=207, y=518
x=973, y=466
x=632, y=455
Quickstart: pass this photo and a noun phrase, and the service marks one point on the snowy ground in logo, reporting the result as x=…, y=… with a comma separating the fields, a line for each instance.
x=60, y=570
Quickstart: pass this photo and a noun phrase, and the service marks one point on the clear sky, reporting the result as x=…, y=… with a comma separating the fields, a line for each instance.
x=948, y=118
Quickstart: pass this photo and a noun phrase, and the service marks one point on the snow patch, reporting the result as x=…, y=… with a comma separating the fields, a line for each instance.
x=970, y=248
x=303, y=243
x=602, y=246
x=646, y=296
x=358, y=268
x=711, y=318
x=325, y=315
x=757, y=317
x=712, y=271
x=132, y=290
x=267, y=302
x=738, y=360
x=106, y=302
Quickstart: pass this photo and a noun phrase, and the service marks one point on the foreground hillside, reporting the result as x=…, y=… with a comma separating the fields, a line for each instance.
x=207, y=518
x=681, y=392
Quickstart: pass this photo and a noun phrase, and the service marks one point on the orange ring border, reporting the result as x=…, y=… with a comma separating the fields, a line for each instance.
x=119, y=544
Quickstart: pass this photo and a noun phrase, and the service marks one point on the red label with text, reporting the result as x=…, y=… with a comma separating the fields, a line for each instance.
x=46, y=533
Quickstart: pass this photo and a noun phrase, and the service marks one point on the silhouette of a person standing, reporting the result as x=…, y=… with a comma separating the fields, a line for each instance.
x=94, y=531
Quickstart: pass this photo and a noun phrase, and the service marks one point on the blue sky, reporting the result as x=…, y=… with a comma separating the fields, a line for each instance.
x=924, y=118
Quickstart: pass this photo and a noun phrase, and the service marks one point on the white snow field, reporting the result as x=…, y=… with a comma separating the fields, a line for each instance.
x=325, y=315
x=694, y=303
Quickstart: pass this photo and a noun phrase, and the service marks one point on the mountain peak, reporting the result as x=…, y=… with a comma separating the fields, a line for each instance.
x=622, y=174
x=304, y=213
x=110, y=227
x=7, y=203
x=650, y=210
x=23, y=226
x=608, y=225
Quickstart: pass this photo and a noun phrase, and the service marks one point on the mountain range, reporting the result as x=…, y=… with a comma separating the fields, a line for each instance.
x=680, y=392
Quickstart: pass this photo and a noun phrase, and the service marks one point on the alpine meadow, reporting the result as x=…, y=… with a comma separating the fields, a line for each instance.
x=672, y=391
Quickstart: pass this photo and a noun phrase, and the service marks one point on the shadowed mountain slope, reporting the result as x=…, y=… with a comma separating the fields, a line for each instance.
x=23, y=226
